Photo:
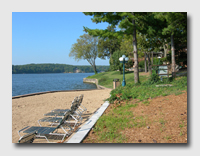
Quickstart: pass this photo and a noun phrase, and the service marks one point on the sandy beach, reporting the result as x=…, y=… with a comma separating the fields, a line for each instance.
x=26, y=111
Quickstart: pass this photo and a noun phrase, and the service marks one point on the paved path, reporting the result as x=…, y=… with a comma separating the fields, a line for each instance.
x=84, y=130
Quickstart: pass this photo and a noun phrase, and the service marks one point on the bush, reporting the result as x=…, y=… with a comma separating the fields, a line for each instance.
x=154, y=77
x=148, y=89
x=164, y=59
x=141, y=64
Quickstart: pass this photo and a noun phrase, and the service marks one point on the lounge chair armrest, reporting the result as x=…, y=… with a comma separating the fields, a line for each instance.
x=28, y=138
x=22, y=130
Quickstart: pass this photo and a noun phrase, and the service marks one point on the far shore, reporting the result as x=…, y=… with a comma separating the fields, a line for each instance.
x=52, y=73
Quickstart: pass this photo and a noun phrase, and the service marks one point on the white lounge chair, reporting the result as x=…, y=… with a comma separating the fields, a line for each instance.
x=55, y=116
x=44, y=132
x=28, y=138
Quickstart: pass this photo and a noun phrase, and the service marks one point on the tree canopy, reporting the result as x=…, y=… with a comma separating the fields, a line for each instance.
x=141, y=32
x=85, y=48
x=107, y=46
x=176, y=26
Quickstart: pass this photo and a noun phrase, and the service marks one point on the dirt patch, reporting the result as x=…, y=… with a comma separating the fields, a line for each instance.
x=165, y=121
x=144, y=74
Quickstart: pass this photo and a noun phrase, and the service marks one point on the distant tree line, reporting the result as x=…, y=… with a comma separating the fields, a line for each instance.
x=54, y=68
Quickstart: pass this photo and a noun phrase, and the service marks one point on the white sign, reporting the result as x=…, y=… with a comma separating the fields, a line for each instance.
x=162, y=70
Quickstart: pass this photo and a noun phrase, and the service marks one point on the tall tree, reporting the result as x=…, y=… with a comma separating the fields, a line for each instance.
x=176, y=26
x=135, y=52
x=107, y=45
x=128, y=22
x=86, y=48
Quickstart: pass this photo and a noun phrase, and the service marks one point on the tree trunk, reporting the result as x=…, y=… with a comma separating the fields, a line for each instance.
x=95, y=70
x=145, y=62
x=173, y=53
x=135, y=53
x=165, y=47
x=149, y=63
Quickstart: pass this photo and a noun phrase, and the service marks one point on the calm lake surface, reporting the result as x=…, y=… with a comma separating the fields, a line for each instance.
x=33, y=83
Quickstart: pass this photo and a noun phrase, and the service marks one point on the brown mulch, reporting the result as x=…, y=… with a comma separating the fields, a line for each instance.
x=165, y=117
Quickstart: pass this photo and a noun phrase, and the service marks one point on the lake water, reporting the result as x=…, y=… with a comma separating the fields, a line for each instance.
x=33, y=83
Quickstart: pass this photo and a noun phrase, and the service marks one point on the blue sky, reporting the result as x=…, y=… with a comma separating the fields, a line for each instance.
x=47, y=37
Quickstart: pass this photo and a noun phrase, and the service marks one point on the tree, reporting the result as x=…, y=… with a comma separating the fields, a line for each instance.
x=176, y=26
x=116, y=65
x=86, y=48
x=107, y=45
x=127, y=21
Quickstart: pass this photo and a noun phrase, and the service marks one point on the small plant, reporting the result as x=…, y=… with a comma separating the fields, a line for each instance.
x=181, y=125
x=168, y=137
x=161, y=113
x=162, y=121
x=178, y=93
x=139, y=121
x=146, y=103
x=154, y=78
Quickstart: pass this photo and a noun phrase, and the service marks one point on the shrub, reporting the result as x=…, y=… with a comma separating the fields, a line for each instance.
x=148, y=89
x=154, y=77
x=141, y=64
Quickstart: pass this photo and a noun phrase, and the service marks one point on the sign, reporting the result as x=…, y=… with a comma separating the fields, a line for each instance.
x=162, y=70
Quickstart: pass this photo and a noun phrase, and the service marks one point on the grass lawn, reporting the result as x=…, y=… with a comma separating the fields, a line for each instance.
x=106, y=79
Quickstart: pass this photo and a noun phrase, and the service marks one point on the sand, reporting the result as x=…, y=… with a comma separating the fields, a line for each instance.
x=26, y=111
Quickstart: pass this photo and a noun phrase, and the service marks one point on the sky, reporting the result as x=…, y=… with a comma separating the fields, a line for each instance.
x=47, y=37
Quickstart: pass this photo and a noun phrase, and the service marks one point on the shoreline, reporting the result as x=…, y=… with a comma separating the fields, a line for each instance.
x=39, y=93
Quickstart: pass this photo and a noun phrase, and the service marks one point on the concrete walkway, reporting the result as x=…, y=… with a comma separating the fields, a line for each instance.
x=84, y=130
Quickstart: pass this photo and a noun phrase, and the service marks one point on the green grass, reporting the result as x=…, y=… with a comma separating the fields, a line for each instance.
x=109, y=126
x=181, y=128
x=144, y=91
x=181, y=125
x=106, y=79
x=168, y=137
x=146, y=103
